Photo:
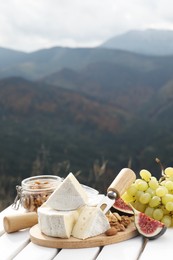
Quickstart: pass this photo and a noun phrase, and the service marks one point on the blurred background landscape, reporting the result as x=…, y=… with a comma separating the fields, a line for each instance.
x=91, y=111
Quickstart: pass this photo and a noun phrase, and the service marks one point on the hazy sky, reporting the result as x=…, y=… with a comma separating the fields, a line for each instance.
x=30, y=25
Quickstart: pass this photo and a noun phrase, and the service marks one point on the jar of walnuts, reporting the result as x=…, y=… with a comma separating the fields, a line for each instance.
x=34, y=191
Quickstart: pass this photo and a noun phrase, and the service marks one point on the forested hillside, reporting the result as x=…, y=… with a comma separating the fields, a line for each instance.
x=89, y=111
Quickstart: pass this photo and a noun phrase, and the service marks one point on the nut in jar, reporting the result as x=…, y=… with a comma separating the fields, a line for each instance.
x=34, y=191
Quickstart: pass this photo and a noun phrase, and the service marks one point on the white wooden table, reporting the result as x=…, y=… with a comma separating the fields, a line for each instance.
x=19, y=247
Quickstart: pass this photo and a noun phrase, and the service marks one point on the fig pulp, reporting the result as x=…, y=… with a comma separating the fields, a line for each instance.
x=121, y=206
x=147, y=226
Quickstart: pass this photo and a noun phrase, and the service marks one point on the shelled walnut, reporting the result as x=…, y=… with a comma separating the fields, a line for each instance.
x=117, y=223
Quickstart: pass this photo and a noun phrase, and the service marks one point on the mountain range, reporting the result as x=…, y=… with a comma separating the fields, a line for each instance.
x=67, y=109
x=119, y=50
x=148, y=42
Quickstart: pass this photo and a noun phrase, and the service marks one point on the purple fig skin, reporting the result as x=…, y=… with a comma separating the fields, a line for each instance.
x=158, y=235
x=157, y=231
x=122, y=207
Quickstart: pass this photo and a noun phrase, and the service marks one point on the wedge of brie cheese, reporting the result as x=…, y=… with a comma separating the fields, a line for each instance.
x=91, y=222
x=56, y=223
x=69, y=195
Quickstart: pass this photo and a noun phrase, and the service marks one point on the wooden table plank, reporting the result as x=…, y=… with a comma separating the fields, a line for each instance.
x=160, y=247
x=12, y=244
x=125, y=250
x=17, y=246
x=78, y=254
x=35, y=252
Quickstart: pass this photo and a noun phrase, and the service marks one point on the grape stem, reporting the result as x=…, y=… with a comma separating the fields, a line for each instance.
x=162, y=168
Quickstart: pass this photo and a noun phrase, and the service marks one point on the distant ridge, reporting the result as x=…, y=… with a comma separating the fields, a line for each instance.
x=148, y=42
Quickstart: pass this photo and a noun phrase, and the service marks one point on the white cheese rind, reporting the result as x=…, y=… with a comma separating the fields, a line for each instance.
x=91, y=222
x=69, y=195
x=56, y=223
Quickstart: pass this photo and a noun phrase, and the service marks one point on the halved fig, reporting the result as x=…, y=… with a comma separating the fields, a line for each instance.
x=121, y=206
x=147, y=226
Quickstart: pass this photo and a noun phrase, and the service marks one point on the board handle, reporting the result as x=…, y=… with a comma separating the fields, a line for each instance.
x=16, y=222
x=122, y=181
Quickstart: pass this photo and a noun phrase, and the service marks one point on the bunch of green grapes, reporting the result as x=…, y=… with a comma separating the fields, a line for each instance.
x=153, y=197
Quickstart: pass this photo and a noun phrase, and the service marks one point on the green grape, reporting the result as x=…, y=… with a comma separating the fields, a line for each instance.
x=145, y=175
x=138, y=194
x=153, y=197
x=127, y=198
x=165, y=211
x=169, y=206
x=149, y=211
x=150, y=191
x=169, y=185
x=166, y=198
x=145, y=198
x=132, y=190
x=153, y=183
x=170, y=178
x=167, y=220
x=139, y=206
x=155, y=201
x=161, y=191
x=162, y=183
x=142, y=185
x=158, y=214
x=137, y=181
x=169, y=171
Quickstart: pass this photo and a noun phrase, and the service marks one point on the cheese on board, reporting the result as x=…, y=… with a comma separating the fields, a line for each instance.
x=56, y=223
x=69, y=195
x=91, y=222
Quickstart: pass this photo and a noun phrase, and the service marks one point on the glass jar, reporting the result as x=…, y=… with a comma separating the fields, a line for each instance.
x=34, y=191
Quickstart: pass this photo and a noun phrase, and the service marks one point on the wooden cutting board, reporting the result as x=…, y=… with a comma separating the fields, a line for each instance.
x=37, y=237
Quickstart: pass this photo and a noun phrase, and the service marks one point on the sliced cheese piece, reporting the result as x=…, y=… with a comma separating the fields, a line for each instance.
x=91, y=222
x=56, y=223
x=69, y=195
